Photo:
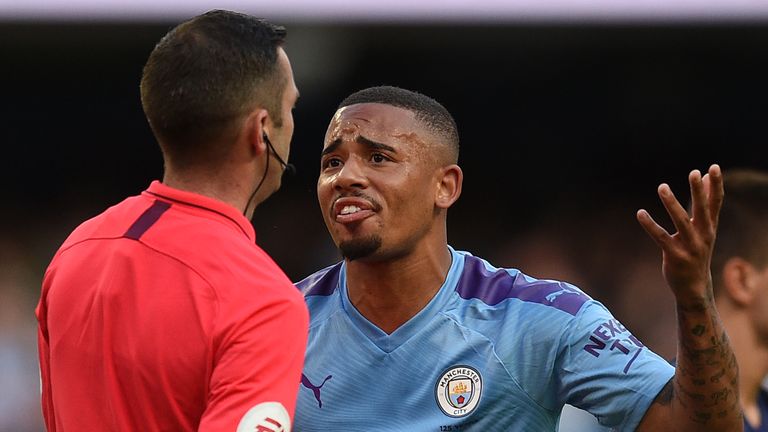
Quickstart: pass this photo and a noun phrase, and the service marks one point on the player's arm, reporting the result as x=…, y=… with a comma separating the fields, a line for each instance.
x=257, y=368
x=703, y=394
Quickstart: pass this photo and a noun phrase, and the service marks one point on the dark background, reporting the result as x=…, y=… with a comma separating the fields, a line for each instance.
x=555, y=121
x=566, y=130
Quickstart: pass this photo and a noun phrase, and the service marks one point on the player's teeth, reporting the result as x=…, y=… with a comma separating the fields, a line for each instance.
x=350, y=209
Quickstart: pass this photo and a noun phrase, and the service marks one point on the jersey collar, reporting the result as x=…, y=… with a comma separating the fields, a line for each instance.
x=177, y=196
x=390, y=342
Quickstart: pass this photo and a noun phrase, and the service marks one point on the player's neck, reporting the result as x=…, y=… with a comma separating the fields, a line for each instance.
x=390, y=293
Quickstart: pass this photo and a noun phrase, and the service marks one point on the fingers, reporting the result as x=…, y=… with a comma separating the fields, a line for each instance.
x=654, y=230
x=707, y=195
x=699, y=204
x=715, y=192
x=676, y=212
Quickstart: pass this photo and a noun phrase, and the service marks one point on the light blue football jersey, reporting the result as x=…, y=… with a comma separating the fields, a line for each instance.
x=494, y=350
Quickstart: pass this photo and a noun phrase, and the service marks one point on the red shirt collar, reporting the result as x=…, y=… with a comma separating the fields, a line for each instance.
x=177, y=196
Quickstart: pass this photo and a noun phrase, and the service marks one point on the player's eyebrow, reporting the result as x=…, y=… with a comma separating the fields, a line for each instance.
x=331, y=147
x=371, y=144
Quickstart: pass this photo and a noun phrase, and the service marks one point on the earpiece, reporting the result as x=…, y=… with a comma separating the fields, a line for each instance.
x=286, y=166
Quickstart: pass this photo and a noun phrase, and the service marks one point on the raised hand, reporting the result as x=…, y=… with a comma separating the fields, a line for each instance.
x=688, y=252
x=704, y=394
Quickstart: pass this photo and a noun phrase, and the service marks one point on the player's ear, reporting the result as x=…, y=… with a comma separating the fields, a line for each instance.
x=254, y=130
x=449, y=180
x=738, y=280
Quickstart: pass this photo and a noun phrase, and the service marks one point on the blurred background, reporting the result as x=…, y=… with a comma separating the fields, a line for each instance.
x=570, y=114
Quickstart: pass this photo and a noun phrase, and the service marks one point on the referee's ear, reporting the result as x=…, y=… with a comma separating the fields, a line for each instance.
x=254, y=131
x=448, y=185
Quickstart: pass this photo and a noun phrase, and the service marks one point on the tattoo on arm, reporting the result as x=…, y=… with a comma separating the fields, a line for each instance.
x=698, y=330
x=703, y=394
x=705, y=382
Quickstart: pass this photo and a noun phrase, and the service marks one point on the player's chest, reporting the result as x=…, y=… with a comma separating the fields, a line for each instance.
x=433, y=383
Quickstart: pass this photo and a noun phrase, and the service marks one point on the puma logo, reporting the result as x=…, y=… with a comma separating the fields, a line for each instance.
x=315, y=389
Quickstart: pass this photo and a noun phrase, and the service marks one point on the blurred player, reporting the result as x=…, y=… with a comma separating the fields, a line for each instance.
x=162, y=313
x=740, y=274
x=409, y=334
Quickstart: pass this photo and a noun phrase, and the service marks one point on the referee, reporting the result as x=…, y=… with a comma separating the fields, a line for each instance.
x=162, y=313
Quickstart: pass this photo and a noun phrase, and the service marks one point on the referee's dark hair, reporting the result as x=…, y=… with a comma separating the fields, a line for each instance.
x=203, y=76
x=427, y=110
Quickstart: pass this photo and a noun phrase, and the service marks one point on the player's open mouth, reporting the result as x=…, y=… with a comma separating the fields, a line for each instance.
x=352, y=209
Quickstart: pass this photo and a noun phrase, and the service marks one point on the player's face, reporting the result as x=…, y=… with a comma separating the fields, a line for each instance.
x=759, y=307
x=378, y=180
x=280, y=137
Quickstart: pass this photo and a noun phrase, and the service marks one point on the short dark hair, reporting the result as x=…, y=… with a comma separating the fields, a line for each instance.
x=204, y=75
x=427, y=110
x=743, y=225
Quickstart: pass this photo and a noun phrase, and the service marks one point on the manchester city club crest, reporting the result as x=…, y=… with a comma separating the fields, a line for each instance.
x=458, y=390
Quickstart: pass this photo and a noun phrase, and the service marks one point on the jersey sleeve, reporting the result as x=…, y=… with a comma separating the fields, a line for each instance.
x=257, y=368
x=607, y=371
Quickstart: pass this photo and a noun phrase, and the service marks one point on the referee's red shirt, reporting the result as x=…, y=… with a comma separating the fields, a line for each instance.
x=162, y=314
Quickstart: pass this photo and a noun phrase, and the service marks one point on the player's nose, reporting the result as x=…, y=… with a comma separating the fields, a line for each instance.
x=351, y=175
